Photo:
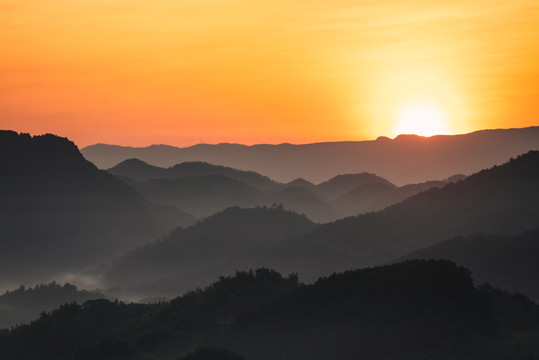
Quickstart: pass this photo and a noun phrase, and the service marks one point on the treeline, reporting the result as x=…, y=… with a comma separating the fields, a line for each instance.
x=412, y=310
x=26, y=303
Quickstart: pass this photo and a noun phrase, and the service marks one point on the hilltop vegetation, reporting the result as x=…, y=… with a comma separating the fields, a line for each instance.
x=506, y=261
x=25, y=304
x=411, y=310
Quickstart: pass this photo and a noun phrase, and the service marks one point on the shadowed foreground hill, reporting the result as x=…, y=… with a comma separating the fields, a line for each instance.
x=411, y=310
x=58, y=211
x=500, y=200
x=220, y=244
x=509, y=261
x=403, y=160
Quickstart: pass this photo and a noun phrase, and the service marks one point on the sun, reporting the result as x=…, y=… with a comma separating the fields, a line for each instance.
x=421, y=118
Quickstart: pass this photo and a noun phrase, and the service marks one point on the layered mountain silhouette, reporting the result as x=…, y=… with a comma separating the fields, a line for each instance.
x=404, y=160
x=500, y=200
x=141, y=171
x=204, y=189
x=505, y=261
x=411, y=310
x=58, y=211
x=62, y=216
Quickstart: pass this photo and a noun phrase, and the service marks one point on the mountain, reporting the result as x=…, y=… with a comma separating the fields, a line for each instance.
x=500, y=200
x=341, y=184
x=202, y=196
x=377, y=196
x=411, y=310
x=25, y=304
x=141, y=171
x=404, y=160
x=305, y=201
x=506, y=261
x=59, y=212
x=300, y=182
x=220, y=244
x=204, y=189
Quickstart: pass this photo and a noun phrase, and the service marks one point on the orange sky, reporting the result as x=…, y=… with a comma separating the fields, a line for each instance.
x=136, y=72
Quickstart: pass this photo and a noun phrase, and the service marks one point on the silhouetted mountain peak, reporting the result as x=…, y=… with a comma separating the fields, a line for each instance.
x=132, y=163
x=137, y=169
x=41, y=152
x=256, y=218
x=342, y=184
x=410, y=137
x=301, y=182
x=456, y=178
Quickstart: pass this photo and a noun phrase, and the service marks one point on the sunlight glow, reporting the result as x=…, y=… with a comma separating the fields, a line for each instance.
x=422, y=119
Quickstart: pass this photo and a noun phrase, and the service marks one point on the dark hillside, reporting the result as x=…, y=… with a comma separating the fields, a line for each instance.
x=412, y=310
x=58, y=211
x=506, y=261
x=500, y=200
x=221, y=244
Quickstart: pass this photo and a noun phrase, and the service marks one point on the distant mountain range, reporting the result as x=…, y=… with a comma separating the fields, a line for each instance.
x=58, y=211
x=403, y=160
x=204, y=189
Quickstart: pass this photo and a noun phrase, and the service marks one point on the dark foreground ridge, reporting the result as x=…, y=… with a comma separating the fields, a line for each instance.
x=411, y=310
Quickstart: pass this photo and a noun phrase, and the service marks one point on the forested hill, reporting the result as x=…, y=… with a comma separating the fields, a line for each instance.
x=501, y=200
x=411, y=310
x=58, y=211
x=24, y=304
x=232, y=239
x=506, y=261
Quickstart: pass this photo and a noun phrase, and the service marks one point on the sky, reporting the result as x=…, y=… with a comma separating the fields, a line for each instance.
x=134, y=72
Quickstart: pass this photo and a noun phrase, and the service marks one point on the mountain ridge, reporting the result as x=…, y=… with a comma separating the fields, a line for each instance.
x=403, y=160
